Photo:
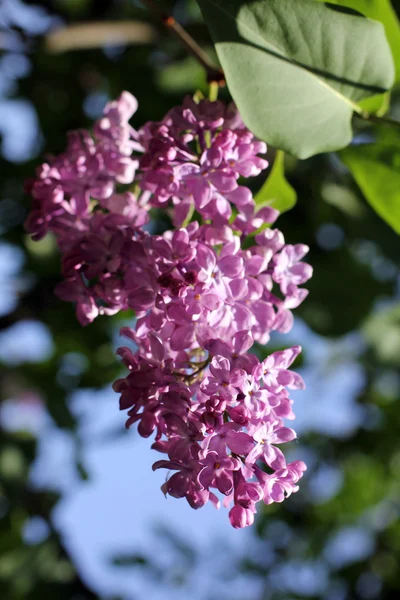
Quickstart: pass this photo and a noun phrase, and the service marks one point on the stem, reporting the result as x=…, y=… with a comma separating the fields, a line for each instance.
x=200, y=369
x=214, y=73
x=188, y=217
x=204, y=365
x=192, y=376
x=213, y=91
x=375, y=119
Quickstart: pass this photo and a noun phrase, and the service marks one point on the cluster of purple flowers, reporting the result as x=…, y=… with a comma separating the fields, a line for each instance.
x=201, y=295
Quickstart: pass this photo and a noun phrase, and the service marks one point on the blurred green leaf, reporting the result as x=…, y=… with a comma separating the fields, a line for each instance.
x=376, y=169
x=365, y=484
x=186, y=75
x=344, y=199
x=342, y=293
x=382, y=331
x=12, y=463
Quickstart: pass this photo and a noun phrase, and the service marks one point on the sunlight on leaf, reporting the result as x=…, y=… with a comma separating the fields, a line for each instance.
x=296, y=70
x=379, y=10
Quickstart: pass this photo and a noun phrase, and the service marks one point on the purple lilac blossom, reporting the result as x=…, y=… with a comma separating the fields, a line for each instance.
x=202, y=297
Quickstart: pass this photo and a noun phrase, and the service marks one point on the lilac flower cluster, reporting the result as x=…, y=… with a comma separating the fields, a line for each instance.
x=202, y=296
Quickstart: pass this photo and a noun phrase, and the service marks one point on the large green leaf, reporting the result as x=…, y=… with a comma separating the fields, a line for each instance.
x=276, y=191
x=380, y=10
x=376, y=169
x=296, y=70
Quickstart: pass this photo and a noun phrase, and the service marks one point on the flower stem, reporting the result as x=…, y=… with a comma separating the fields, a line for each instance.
x=213, y=91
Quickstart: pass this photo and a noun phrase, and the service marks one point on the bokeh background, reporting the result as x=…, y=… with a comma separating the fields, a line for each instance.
x=81, y=512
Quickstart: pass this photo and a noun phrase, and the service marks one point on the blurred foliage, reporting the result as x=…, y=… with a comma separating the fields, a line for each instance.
x=356, y=259
x=375, y=167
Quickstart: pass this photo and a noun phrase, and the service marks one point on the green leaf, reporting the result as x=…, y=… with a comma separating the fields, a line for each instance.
x=380, y=10
x=376, y=105
x=276, y=191
x=296, y=70
x=376, y=169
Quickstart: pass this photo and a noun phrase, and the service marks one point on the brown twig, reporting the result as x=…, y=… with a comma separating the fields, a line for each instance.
x=214, y=73
x=365, y=116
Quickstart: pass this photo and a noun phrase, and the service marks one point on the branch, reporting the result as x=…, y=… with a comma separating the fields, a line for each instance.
x=214, y=73
x=375, y=119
